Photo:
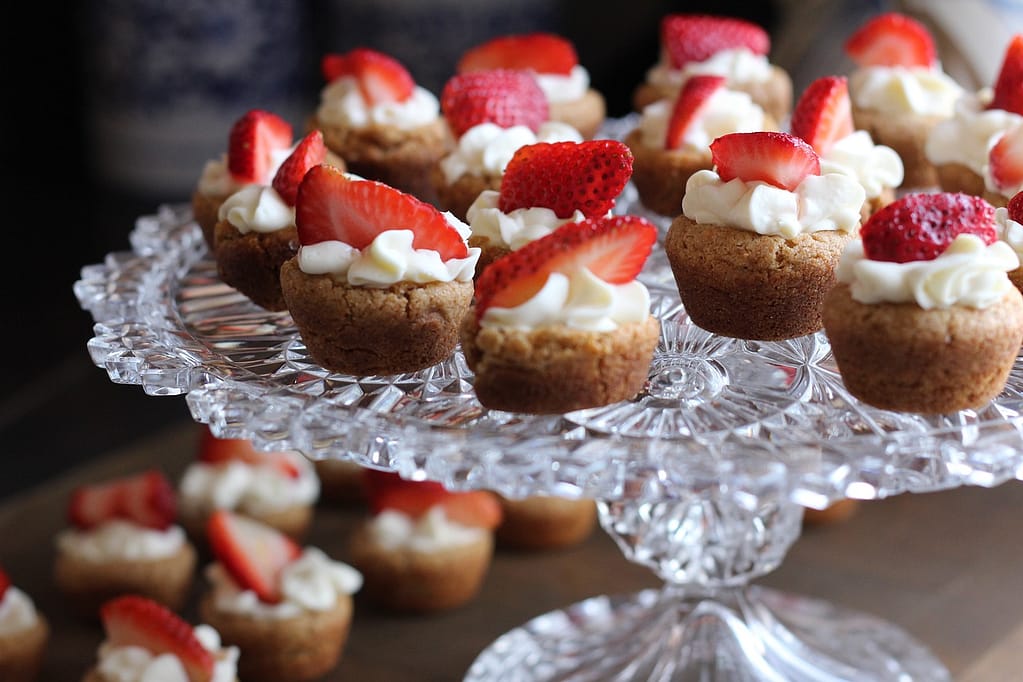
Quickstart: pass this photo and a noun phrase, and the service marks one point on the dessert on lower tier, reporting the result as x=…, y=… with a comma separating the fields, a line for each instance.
x=554, y=63
x=123, y=539
x=24, y=634
x=385, y=126
x=562, y=324
x=924, y=318
x=255, y=231
x=144, y=640
x=737, y=49
x=340, y=481
x=755, y=249
x=381, y=280
x=979, y=150
x=541, y=522
x=671, y=140
x=823, y=117
x=288, y=609
x=279, y=489
x=423, y=548
x=546, y=185
x=899, y=90
x=491, y=114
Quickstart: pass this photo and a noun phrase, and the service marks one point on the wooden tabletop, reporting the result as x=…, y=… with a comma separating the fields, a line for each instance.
x=943, y=566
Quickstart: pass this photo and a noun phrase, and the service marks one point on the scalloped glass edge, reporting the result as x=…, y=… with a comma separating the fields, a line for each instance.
x=139, y=339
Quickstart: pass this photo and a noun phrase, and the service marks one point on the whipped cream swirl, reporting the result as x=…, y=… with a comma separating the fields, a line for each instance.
x=517, y=228
x=342, y=104
x=118, y=540
x=257, y=208
x=727, y=111
x=564, y=87
x=136, y=664
x=901, y=90
x=247, y=488
x=486, y=149
x=875, y=166
x=738, y=65
x=17, y=612
x=431, y=532
x=967, y=137
x=1009, y=231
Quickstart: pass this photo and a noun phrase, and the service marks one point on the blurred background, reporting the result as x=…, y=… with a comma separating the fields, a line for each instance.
x=112, y=107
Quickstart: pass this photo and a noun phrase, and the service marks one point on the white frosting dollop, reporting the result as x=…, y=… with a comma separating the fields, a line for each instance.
x=738, y=65
x=727, y=111
x=431, y=532
x=216, y=180
x=342, y=104
x=968, y=273
x=580, y=301
x=136, y=664
x=564, y=88
x=17, y=612
x=515, y=229
x=1009, y=231
x=312, y=582
x=820, y=202
x=257, y=208
x=967, y=137
x=246, y=488
x=875, y=166
x=901, y=90
x=118, y=540
x=486, y=149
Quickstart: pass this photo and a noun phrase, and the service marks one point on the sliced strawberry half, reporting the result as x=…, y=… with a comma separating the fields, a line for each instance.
x=892, y=39
x=251, y=143
x=5, y=583
x=612, y=248
x=1015, y=207
x=1008, y=90
x=147, y=499
x=1006, y=161
x=539, y=52
x=381, y=78
x=215, y=451
x=920, y=226
x=253, y=553
x=309, y=152
x=698, y=37
x=566, y=176
x=780, y=159
x=823, y=114
x=692, y=98
x=137, y=621
x=504, y=97
x=387, y=490
x=334, y=206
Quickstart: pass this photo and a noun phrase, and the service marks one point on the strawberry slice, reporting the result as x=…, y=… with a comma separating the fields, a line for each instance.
x=1015, y=207
x=1008, y=90
x=698, y=37
x=920, y=226
x=252, y=140
x=147, y=499
x=382, y=79
x=213, y=450
x=539, y=52
x=612, y=248
x=5, y=582
x=691, y=100
x=823, y=113
x=565, y=176
x=131, y=620
x=505, y=97
x=253, y=553
x=334, y=206
x=892, y=39
x=780, y=159
x=1006, y=161
x=388, y=490
x=309, y=152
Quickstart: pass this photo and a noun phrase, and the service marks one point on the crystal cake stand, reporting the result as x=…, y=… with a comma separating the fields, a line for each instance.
x=702, y=478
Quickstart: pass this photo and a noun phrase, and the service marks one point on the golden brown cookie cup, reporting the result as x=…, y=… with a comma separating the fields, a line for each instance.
x=251, y=262
x=539, y=523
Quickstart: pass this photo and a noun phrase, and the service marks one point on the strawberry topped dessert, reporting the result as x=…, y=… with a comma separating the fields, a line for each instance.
x=144, y=640
x=424, y=548
x=554, y=63
x=123, y=538
x=381, y=280
x=823, y=117
x=671, y=140
x=278, y=488
x=1009, y=222
x=924, y=317
x=978, y=150
x=546, y=185
x=288, y=609
x=491, y=114
x=754, y=250
x=898, y=89
x=737, y=49
x=385, y=126
x=24, y=634
x=562, y=324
